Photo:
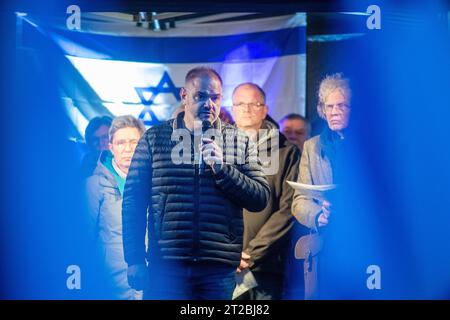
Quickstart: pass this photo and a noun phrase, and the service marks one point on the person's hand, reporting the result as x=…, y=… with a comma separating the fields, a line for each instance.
x=244, y=262
x=325, y=214
x=137, y=276
x=212, y=154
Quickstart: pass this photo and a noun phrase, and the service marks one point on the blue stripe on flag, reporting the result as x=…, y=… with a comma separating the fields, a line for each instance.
x=209, y=49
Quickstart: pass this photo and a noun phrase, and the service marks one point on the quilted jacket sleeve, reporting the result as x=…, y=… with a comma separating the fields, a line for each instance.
x=247, y=185
x=135, y=203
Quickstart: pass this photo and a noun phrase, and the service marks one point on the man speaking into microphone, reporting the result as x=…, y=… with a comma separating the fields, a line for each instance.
x=191, y=201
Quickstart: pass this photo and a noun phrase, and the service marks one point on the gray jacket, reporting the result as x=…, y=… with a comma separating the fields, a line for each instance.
x=267, y=233
x=105, y=214
x=104, y=204
x=316, y=167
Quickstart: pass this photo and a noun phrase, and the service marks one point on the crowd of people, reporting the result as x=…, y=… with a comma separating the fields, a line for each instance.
x=187, y=208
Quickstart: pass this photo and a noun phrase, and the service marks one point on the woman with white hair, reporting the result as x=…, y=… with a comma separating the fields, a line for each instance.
x=104, y=194
x=317, y=162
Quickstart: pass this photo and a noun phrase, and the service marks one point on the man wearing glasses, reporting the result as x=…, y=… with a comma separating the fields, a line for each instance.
x=194, y=197
x=266, y=234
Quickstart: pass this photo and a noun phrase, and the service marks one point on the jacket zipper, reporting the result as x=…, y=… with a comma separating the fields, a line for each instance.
x=195, y=235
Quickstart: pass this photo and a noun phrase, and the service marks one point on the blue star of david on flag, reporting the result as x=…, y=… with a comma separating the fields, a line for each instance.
x=165, y=85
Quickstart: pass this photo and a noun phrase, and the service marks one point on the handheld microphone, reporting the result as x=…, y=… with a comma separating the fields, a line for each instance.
x=206, y=125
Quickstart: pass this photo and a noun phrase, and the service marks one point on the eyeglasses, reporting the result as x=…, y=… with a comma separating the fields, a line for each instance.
x=121, y=144
x=202, y=97
x=251, y=105
x=339, y=107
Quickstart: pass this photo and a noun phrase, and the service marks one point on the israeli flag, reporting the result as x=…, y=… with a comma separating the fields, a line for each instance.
x=140, y=72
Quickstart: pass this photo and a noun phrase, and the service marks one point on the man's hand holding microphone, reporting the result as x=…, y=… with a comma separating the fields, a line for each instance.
x=211, y=153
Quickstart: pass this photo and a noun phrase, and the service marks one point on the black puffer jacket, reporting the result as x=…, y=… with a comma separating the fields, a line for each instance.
x=192, y=216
